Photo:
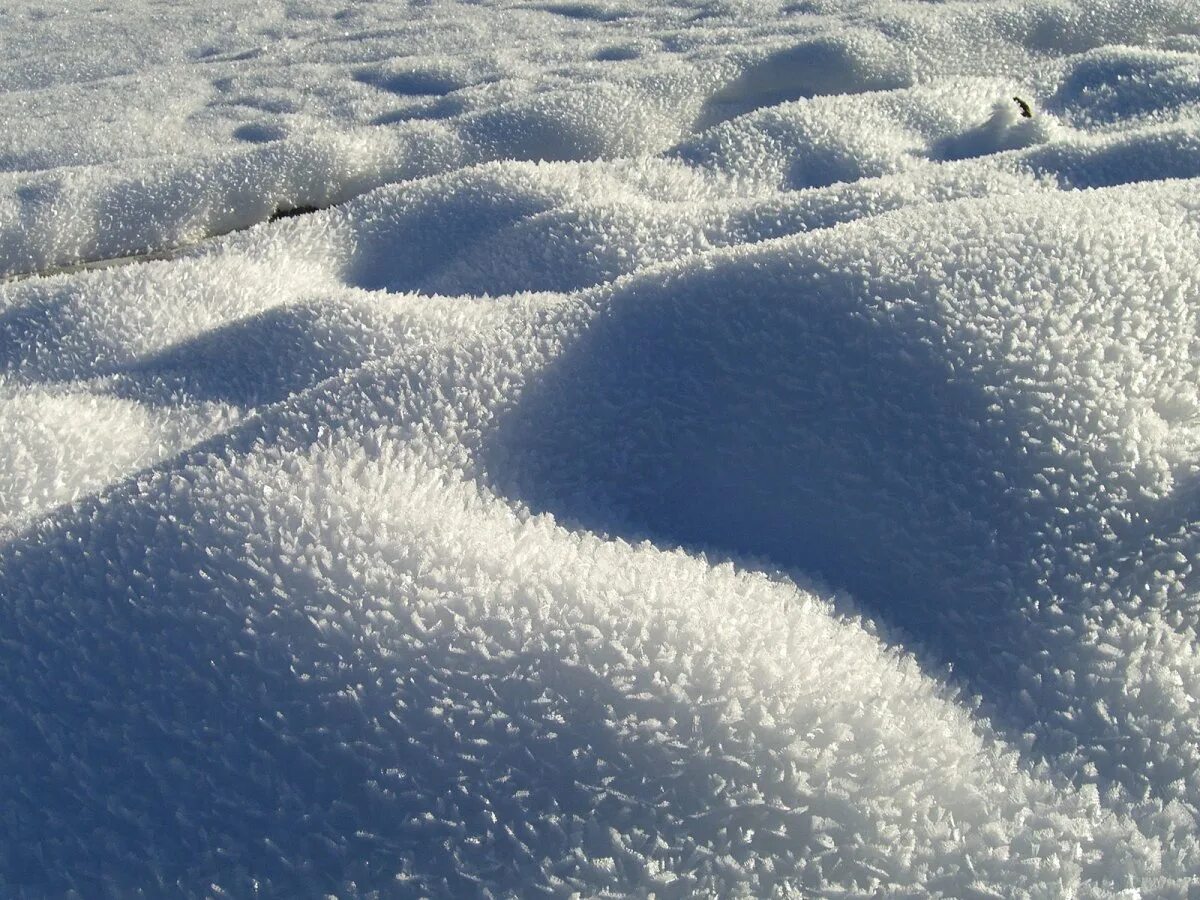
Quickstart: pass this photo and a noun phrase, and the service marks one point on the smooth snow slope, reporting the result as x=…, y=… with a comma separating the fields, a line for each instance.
x=707, y=449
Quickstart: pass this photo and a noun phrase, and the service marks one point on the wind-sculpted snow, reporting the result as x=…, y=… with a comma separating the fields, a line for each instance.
x=696, y=449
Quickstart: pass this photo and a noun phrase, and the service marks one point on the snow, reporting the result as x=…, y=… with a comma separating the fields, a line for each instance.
x=693, y=449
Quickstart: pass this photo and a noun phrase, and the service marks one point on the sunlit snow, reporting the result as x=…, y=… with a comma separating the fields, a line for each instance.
x=713, y=448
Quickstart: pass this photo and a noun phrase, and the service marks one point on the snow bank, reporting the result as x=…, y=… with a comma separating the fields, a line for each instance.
x=693, y=450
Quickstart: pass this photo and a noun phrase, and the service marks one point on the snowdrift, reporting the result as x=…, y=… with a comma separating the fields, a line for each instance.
x=696, y=449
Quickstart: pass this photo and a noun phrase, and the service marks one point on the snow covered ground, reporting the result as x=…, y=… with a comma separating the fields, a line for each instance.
x=707, y=448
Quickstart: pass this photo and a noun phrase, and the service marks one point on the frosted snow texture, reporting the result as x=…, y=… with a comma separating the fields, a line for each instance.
x=698, y=449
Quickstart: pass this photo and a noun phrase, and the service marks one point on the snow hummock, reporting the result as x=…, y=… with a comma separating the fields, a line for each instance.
x=678, y=449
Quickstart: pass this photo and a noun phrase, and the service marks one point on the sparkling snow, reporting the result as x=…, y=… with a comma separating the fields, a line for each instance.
x=694, y=449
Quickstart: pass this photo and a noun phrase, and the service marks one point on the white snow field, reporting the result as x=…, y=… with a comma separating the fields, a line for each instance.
x=697, y=448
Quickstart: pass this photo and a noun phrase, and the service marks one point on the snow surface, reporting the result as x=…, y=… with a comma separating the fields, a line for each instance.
x=712, y=448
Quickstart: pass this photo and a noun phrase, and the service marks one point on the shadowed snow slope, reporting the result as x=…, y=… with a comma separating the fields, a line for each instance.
x=719, y=449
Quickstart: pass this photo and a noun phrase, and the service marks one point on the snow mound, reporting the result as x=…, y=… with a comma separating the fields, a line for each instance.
x=875, y=404
x=725, y=449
